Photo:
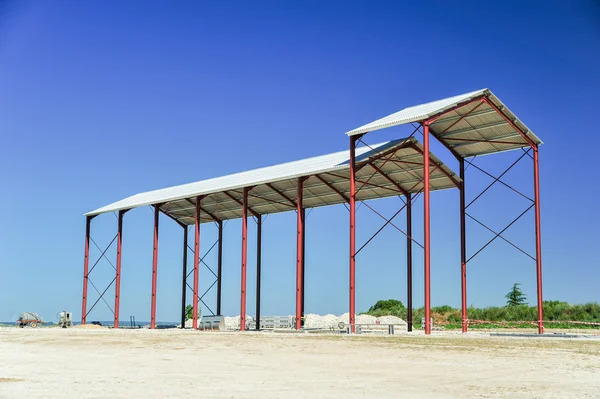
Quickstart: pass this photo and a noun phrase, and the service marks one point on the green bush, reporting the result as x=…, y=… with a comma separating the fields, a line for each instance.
x=452, y=317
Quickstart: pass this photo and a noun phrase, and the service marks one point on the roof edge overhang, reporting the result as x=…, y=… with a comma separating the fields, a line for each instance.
x=363, y=156
x=422, y=113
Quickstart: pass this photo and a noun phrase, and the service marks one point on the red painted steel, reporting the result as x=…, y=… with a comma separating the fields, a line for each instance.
x=433, y=119
x=299, y=253
x=426, y=227
x=441, y=134
x=409, y=296
x=538, y=240
x=448, y=175
x=341, y=194
x=196, y=261
x=463, y=248
x=86, y=262
x=244, y=257
x=510, y=122
x=241, y=202
x=386, y=177
x=352, y=207
x=154, y=268
x=281, y=194
x=118, y=276
x=213, y=217
x=303, y=260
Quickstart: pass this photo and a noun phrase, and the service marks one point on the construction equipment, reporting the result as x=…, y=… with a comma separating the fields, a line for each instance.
x=29, y=319
x=65, y=319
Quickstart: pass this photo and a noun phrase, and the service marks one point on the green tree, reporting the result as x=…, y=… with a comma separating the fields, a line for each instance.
x=387, y=307
x=189, y=312
x=515, y=296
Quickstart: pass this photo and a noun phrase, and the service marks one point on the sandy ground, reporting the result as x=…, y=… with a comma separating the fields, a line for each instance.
x=103, y=363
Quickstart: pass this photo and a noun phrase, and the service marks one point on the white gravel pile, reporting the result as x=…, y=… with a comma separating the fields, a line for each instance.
x=326, y=322
x=391, y=320
x=318, y=321
x=233, y=323
x=358, y=319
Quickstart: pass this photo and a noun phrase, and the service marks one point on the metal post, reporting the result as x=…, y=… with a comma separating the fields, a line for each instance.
x=219, y=266
x=426, y=228
x=184, y=276
x=86, y=260
x=244, y=258
x=409, y=295
x=258, y=267
x=118, y=276
x=299, y=254
x=196, y=262
x=303, y=261
x=352, y=206
x=154, y=268
x=538, y=240
x=463, y=247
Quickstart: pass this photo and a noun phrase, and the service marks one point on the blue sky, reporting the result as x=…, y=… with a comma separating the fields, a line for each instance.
x=100, y=100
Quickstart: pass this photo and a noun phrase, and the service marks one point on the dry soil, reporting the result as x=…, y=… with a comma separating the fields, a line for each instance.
x=105, y=363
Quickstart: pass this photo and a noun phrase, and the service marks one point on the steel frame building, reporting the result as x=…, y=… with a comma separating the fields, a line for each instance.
x=468, y=125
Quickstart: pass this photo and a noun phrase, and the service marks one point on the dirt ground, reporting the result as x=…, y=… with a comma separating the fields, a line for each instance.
x=103, y=363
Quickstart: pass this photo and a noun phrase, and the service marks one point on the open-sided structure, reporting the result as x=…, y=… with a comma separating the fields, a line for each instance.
x=472, y=124
x=468, y=125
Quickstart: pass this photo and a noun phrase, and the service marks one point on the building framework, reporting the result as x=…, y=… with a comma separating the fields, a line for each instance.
x=469, y=125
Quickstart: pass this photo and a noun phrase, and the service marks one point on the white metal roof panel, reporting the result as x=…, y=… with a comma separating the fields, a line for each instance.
x=472, y=128
x=416, y=113
x=274, y=186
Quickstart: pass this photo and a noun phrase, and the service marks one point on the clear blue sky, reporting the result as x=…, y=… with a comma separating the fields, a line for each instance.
x=101, y=100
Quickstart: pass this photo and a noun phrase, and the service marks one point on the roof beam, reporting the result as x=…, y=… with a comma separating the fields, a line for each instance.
x=213, y=217
x=472, y=115
x=227, y=193
x=341, y=194
x=512, y=122
x=454, y=133
x=173, y=218
x=495, y=140
x=386, y=177
x=272, y=187
x=440, y=166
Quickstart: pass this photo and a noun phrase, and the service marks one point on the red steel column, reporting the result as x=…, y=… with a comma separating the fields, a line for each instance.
x=118, y=276
x=154, y=268
x=303, y=260
x=196, y=262
x=426, y=228
x=244, y=258
x=463, y=248
x=409, y=295
x=538, y=240
x=299, y=253
x=86, y=261
x=352, y=207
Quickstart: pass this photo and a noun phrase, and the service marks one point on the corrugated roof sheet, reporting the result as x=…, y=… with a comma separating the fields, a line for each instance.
x=400, y=164
x=473, y=128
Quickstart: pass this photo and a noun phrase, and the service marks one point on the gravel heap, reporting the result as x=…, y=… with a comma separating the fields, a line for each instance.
x=326, y=322
x=233, y=323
